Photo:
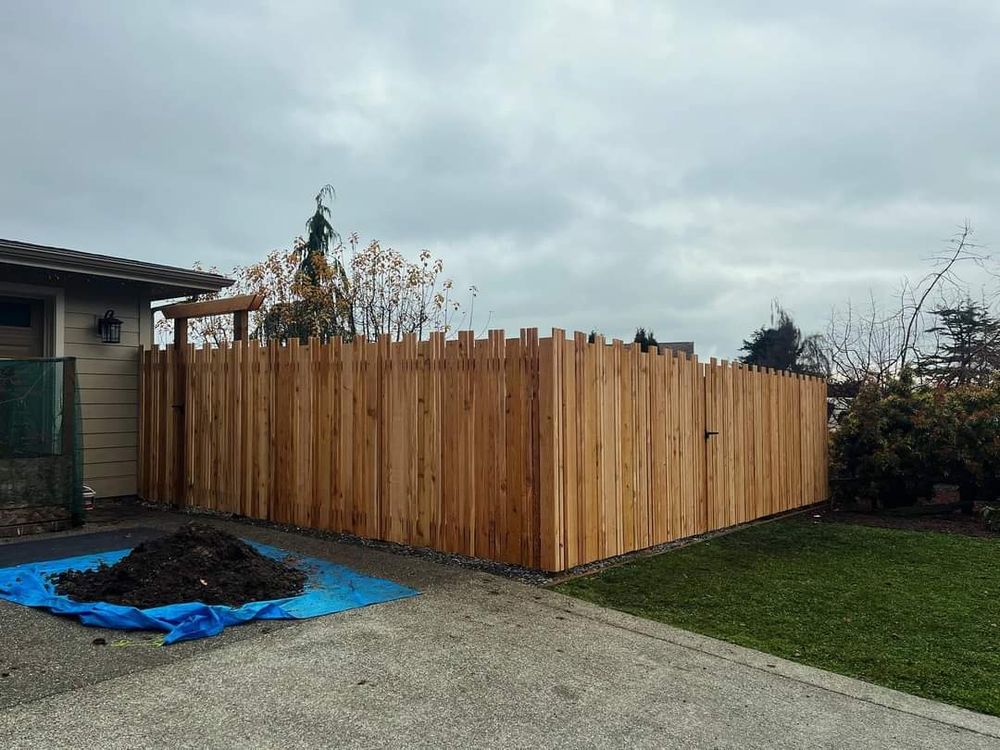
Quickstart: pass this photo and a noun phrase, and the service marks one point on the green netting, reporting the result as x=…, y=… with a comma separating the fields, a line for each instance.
x=41, y=466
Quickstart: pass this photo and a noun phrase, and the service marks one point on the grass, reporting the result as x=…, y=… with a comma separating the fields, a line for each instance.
x=917, y=611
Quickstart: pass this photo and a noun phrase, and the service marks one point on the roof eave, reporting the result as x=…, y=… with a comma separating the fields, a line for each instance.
x=72, y=261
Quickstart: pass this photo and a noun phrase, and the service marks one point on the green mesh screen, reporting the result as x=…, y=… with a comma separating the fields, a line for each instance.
x=41, y=466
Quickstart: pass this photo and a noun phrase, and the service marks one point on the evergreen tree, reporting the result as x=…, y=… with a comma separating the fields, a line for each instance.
x=320, y=237
x=781, y=346
x=321, y=285
x=968, y=350
x=645, y=340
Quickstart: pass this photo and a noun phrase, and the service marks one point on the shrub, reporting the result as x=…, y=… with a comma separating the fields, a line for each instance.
x=991, y=516
x=895, y=444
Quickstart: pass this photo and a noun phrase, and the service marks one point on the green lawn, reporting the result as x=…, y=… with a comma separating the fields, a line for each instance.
x=918, y=611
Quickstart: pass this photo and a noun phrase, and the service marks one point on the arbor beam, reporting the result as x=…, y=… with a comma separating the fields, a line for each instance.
x=223, y=305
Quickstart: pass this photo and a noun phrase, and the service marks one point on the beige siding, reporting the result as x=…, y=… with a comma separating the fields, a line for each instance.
x=108, y=380
x=97, y=441
x=99, y=382
x=113, y=367
x=108, y=427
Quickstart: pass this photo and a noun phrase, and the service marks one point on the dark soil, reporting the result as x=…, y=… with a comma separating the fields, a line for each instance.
x=196, y=563
x=954, y=522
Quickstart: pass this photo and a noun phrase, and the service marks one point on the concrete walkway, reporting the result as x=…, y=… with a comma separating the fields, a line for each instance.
x=476, y=661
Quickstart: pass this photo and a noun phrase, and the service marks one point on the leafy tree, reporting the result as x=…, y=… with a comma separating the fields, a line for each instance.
x=875, y=341
x=782, y=346
x=968, y=346
x=645, y=340
x=323, y=287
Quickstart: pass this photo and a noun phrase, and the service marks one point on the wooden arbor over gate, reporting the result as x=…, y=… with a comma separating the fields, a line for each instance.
x=240, y=307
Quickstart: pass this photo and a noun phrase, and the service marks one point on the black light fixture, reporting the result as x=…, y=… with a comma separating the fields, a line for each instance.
x=110, y=328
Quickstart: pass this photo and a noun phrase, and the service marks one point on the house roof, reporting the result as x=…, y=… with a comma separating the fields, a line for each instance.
x=165, y=281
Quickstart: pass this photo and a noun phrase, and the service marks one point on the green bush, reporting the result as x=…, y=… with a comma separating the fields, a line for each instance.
x=893, y=445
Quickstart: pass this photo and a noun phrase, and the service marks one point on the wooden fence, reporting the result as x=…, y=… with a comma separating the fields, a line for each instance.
x=547, y=453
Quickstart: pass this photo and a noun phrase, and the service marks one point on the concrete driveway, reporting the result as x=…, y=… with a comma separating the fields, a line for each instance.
x=475, y=661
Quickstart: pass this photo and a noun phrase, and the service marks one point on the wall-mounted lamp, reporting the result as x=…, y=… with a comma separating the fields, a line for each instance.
x=110, y=328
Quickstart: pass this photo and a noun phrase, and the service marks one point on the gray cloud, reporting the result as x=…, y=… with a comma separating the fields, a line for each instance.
x=584, y=164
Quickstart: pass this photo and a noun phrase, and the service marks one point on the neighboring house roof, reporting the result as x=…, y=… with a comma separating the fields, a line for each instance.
x=164, y=281
x=677, y=346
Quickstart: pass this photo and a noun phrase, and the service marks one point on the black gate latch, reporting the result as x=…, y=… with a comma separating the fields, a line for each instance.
x=709, y=433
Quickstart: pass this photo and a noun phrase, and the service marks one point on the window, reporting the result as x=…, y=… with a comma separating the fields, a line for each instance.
x=15, y=313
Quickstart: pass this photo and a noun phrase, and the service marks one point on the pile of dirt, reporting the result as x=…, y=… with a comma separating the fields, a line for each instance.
x=197, y=563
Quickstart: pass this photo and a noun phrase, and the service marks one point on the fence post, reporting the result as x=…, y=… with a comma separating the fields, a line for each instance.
x=72, y=453
x=176, y=485
x=550, y=351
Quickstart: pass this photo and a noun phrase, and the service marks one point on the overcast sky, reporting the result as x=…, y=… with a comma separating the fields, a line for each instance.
x=585, y=164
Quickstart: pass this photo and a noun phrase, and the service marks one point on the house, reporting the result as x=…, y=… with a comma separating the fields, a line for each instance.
x=687, y=347
x=51, y=302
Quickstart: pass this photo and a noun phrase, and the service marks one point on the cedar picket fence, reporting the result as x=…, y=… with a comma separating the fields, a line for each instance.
x=547, y=453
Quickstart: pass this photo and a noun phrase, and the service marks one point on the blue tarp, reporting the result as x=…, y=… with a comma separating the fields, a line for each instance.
x=330, y=588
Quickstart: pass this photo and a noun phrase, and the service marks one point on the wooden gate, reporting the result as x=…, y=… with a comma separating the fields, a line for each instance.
x=647, y=448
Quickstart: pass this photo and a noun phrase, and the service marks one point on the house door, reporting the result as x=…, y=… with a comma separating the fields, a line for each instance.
x=22, y=328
